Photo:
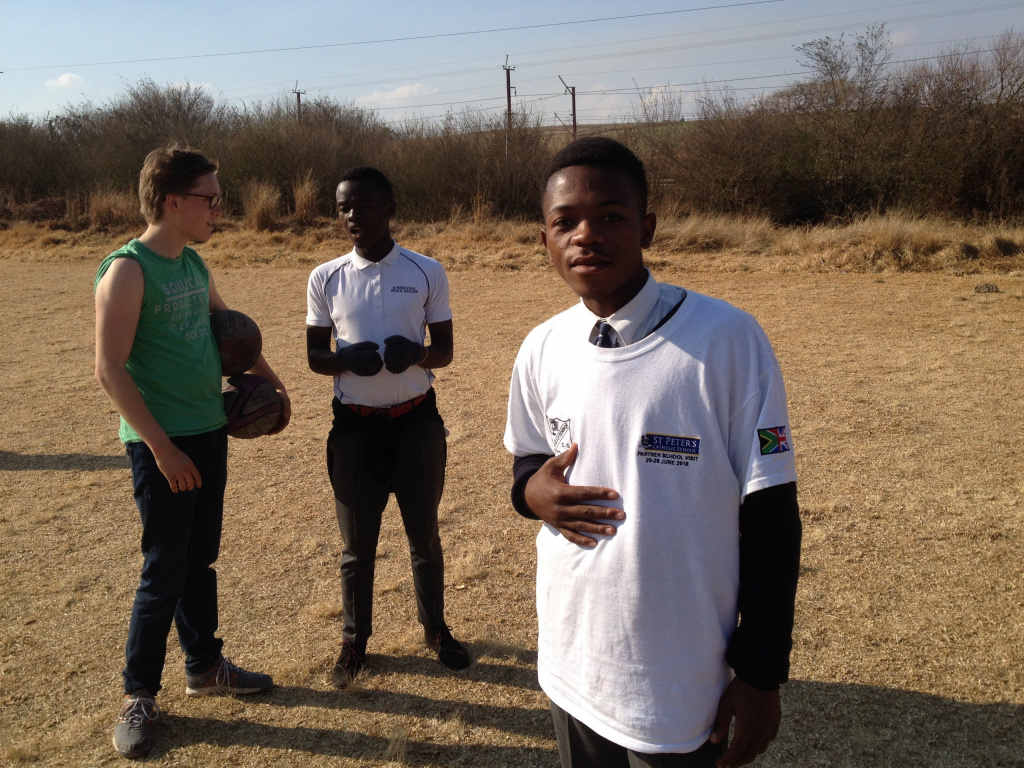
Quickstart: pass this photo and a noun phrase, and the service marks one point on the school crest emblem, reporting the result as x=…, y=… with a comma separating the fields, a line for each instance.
x=561, y=434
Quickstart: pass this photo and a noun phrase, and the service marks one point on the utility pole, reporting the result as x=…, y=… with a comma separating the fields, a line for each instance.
x=508, y=99
x=572, y=92
x=298, y=100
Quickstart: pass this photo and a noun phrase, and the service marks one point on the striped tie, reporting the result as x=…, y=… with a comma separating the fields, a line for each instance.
x=604, y=334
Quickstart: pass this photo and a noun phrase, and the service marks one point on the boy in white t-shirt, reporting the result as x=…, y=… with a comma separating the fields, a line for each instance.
x=651, y=436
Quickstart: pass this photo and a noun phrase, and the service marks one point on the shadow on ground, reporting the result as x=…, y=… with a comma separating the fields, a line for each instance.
x=833, y=725
x=177, y=731
x=842, y=724
x=82, y=462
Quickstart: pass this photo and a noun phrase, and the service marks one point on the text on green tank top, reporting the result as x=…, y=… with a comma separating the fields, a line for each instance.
x=174, y=360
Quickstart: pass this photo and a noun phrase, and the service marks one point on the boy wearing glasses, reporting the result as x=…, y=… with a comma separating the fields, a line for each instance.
x=158, y=363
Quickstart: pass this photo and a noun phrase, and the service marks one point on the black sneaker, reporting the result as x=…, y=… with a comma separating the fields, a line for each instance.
x=225, y=678
x=131, y=734
x=349, y=664
x=450, y=651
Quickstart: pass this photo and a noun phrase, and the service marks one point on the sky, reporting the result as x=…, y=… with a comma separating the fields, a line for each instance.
x=423, y=60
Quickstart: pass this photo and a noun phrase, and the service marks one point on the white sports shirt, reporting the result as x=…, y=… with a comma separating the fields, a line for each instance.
x=363, y=300
x=683, y=424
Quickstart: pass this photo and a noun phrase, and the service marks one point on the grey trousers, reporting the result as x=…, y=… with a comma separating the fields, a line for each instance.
x=580, y=747
x=369, y=458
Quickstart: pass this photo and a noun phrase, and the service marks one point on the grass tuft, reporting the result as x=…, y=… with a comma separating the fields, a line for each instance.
x=261, y=202
x=306, y=196
x=397, y=747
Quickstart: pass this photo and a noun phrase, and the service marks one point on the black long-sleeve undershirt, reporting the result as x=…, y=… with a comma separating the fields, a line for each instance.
x=770, y=533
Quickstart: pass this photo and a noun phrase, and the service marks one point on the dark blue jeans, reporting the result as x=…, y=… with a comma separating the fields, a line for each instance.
x=180, y=542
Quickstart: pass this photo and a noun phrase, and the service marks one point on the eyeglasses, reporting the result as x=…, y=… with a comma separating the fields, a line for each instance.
x=215, y=200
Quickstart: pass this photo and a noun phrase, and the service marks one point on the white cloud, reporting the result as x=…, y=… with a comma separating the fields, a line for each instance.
x=599, y=107
x=65, y=81
x=401, y=92
x=903, y=37
x=193, y=86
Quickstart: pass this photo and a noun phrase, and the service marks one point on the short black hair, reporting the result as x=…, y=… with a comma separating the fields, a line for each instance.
x=370, y=174
x=601, y=152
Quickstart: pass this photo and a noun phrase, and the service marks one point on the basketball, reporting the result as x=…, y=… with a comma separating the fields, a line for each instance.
x=238, y=338
x=252, y=405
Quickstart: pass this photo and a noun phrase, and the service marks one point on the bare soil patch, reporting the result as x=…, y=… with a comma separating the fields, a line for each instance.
x=906, y=396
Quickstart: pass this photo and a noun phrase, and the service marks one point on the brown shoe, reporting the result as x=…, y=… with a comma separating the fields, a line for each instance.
x=450, y=651
x=350, y=663
x=226, y=679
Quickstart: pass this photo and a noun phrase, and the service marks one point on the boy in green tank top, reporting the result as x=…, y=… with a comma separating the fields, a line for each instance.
x=158, y=363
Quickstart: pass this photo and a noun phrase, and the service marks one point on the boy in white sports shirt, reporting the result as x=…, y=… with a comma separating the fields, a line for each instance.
x=378, y=303
x=651, y=436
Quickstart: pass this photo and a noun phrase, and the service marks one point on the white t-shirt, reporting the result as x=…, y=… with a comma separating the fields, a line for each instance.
x=363, y=300
x=683, y=424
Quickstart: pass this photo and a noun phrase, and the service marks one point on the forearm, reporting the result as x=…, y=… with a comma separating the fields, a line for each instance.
x=523, y=468
x=262, y=368
x=770, y=533
x=324, y=361
x=124, y=395
x=437, y=355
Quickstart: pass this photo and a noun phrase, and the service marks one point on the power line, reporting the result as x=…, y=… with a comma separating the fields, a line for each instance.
x=406, y=39
x=678, y=88
x=717, y=43
x=419, y=71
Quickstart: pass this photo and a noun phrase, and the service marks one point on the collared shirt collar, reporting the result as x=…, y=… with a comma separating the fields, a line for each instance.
x=629, y=317
x=390, y=259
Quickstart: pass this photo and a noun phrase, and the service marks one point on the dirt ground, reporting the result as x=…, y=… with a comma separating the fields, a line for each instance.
x=907, y=399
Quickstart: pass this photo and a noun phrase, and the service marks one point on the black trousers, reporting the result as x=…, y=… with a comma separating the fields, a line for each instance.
x=580, y=747
x=368, y=459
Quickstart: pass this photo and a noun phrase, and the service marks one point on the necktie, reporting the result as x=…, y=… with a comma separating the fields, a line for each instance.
x=604, y=334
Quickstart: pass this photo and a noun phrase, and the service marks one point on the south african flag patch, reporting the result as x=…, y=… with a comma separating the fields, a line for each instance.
x=773, y=440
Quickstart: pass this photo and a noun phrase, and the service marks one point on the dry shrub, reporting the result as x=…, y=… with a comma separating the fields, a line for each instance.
x=76, y=215
x=8, y=205
x=703, y=232
x=261, y=202
x=305, y=193
x=112, y=209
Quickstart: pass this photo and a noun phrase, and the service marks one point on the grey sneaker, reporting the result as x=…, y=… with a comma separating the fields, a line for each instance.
x=131, y=734
x=225, y=678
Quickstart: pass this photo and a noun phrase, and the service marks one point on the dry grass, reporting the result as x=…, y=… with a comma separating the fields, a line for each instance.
x=113, y=210
x=305, y=196
x=261, y=202
x=699, y=243
x=905, y=390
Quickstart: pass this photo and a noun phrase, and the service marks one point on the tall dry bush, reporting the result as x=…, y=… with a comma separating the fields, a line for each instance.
x=8, y=204
x=114, y=209
x=858, y=136
x=269, y=142
x=261, y=203
x=306, y=198
x=470, y=162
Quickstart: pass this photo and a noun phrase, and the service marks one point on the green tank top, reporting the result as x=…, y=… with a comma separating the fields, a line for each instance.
x=174, y=360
